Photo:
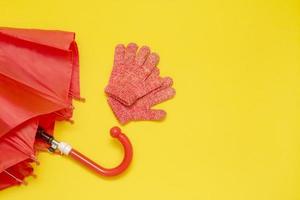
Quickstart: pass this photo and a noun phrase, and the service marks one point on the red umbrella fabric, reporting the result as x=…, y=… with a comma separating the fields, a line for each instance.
x=18, y=146
x=47, y=75
x=39, y=77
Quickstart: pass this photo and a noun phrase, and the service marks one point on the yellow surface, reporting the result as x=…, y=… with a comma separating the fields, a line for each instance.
x=232, y=132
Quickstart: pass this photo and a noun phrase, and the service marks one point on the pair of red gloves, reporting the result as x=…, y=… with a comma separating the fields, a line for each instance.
x=135, y=84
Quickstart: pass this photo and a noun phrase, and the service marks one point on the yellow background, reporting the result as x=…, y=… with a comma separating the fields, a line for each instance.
x=232, y=131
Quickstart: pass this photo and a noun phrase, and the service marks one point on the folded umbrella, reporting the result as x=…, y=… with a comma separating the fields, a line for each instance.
x=39, y=77
x=44, y=75
x=17, y=151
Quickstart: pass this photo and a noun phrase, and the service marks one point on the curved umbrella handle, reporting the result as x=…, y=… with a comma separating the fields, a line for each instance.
x=128, y=152
x=66, y=149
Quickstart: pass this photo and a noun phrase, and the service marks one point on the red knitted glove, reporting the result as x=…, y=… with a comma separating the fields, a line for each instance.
x=141, y=110
x=129, y=78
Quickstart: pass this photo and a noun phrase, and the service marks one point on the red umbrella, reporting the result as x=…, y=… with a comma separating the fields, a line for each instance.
x=41, y=66
x=39, y=77
x=17, y=151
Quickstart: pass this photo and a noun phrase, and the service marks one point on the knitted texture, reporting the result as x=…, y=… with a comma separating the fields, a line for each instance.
x=130, y=72
x=135, y=85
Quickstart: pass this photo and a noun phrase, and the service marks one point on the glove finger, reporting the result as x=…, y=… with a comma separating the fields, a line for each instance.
x=154, y=115
x=119, y=55
x=161, y=96
x=154, y=74
x=156, y=97
x=151, y=85
x=150, y=64
x=130, y=53
x=142, y=55
x=158, y=83
x=167, y=82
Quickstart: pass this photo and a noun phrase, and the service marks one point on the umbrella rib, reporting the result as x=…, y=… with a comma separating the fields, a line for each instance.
x=31, y=89
x=30, y=147
x=31, y=156
x=71, y=94
x=64, y=117
x=14, y=177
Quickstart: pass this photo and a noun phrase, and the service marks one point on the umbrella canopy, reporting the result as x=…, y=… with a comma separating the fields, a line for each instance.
x=18, y=146
x=39, y=77
x=41, y=66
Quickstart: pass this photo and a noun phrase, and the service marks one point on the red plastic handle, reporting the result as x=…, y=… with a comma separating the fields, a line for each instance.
x=128, y=152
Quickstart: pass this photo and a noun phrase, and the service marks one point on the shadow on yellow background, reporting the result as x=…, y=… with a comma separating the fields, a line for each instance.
x=232, y=131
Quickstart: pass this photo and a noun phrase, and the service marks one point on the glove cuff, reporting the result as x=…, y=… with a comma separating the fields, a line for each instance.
x=126, y=95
